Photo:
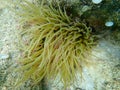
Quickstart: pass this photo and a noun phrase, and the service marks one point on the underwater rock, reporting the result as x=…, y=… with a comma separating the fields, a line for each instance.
x=109, y=23
x=4, y=56
x=96, y=1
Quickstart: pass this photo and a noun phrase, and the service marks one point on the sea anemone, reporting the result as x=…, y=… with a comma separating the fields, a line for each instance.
x=57, y=45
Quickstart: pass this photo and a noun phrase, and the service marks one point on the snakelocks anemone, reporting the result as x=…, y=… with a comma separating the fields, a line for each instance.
x=57, y=45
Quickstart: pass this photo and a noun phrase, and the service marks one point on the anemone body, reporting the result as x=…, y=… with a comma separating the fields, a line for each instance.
x=57, y=44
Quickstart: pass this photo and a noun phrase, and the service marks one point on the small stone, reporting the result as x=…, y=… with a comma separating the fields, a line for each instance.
x=96, y=1
x=4, y=56
x=4, y=88
x=85, y=8
x=109, y=23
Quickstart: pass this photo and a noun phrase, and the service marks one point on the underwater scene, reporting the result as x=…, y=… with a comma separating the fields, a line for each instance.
x=59, y=44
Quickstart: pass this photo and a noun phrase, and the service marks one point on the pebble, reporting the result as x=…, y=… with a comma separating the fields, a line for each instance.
x=4, y=88
x=96, y=1
x=85, y=8
x=109, y=23
x=4, y=56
